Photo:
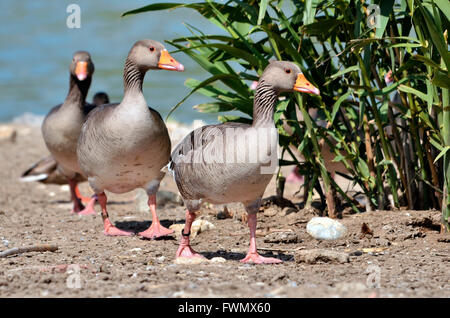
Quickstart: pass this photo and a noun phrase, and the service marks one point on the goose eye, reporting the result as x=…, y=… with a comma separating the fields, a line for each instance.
x=288, y=71
x=152, y=49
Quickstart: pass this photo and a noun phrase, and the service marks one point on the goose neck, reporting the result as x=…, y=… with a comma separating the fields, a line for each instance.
x=133, y=78
x=264, y=104
x=78, y=91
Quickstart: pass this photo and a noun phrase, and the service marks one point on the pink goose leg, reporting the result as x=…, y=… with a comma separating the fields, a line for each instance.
x=83, y=199
x=89, y=209
x=77, y=205
x=252, y=255
x=109, y=229
x=185, y=249
x=156, y=229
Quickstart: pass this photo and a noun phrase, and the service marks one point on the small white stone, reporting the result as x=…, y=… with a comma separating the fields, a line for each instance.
x=8, y=133
x=324, y=228
x=218, y=260
x=178, y=294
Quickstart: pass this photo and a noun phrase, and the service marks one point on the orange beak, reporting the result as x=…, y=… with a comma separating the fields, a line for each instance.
x=167, y=62
x=81, y=70
x=304, y=86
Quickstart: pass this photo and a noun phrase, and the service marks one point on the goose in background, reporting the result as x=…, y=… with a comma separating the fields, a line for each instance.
x=62, y=126
x=124, y=146
x=203, y=172
x=46, y=169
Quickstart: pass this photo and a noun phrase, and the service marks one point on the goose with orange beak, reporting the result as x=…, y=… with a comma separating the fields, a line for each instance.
x=62, y=125
x=124, y=146
x=202, y=178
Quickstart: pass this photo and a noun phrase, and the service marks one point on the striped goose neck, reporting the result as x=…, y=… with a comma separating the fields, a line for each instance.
x=264, y=104
x=132, y=77
x=78, y=91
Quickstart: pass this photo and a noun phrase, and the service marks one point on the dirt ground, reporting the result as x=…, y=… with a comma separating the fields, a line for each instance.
x=399, y=254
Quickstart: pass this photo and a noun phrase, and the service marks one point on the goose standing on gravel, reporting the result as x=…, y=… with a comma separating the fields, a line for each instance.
x=47, y=169
x=204, y=173
x=62, y=125
x=124, y=146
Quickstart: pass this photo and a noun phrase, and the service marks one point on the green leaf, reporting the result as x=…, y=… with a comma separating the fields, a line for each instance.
x=216, y=107
x=443, y=152
x=441, y=79
x=337, y=104
x=236, y=119
x=262, y=10
x=348, y=69
x=386, y=7
x=235, y=52
x=426, y=60
x=413, y=91
x=437, y=36
x=310, y=11
x=444, y=5
x=201, y=85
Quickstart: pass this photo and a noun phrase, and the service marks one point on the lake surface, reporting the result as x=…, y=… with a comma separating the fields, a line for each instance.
x=36, y=48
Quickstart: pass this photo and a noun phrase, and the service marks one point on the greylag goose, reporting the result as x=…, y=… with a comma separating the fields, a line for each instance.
x=124, y=146
x=46, y=170
x=62, y=125
x=204, y=163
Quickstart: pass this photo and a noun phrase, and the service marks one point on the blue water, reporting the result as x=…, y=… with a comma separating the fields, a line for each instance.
x=36, y=47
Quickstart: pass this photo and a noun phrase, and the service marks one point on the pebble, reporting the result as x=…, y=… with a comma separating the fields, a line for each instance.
x=218, y=260
x=323, y=228
x=282, y=237
x=320, y=255
x=161, y=259
x=271, y=210
x=8, y=133
x=198, y=226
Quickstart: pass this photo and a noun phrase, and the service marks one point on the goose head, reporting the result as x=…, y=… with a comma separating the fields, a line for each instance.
x=82, y=66
x=152, y=55
x=285, y=76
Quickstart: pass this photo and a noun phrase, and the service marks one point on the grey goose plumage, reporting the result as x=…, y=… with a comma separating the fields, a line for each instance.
x=206, y=180
x=123, y=146
x=62, y=125
x=46, y=170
